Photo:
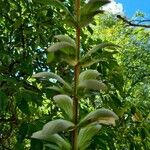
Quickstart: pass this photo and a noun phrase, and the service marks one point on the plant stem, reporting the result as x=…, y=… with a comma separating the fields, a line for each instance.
x=75, y=108
x=76, y=78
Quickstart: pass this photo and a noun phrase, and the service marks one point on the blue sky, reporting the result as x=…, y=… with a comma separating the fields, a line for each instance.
x=131, y=6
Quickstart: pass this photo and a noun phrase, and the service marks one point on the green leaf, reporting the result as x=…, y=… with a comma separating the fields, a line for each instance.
x=86, y=134
x=48, y=133
x=93, y=5
x=55, y=138
x=66, y=47
x=98, y=47
x=62, y=46
x=92, y=85
x=49, y=75
x=103, y=116
x=56, y=126
x=93, y=56
x=51, y=146
x=3, y=101
x=70, y=21
x=89, y=62
x=88, y=74
x=65, y=38
x=101, y=58
x=39, y=135
x=65, y=14
x=70, y=60
x=65, y=103
x=87, y=18
x=55, y=3
x=89, y=10
x=56, y=88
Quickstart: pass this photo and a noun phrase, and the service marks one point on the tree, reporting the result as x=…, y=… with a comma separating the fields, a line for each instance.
x=133, y=98
x=22, y=45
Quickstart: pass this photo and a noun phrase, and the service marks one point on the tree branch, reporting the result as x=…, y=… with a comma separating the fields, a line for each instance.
x=134, y=24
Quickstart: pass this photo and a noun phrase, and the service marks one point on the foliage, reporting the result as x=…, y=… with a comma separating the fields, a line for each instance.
x=81, y=84
x=22, y=47
x=117, y=68
x=131, y=100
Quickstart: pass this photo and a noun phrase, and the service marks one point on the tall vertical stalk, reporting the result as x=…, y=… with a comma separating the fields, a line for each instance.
x=76, y=77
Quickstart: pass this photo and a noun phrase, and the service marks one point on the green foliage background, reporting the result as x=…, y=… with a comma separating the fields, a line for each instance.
x=27, y=29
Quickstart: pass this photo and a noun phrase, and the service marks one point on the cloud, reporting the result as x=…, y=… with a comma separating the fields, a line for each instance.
x=114, y=8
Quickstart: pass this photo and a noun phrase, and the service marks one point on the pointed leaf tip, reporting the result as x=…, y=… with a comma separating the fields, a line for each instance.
x=65, y=38
x=38, y=135
x=98, y=47
x=56, y=126
x=58, y=46
x=55, y=138
x=104, y=116
x=89, y=74
x=48, y=75
x=93, y=85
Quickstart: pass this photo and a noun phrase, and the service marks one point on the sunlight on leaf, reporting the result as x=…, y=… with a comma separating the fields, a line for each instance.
x=56, y=126
x=60, y=45
x=55, y=138
x=90, y=9
x=89, y=74
x=65, y=103
x=98, y=47
x=104, y=116
x=86, y=134
x=92, y=85
x=65, y=38
x=48, y=75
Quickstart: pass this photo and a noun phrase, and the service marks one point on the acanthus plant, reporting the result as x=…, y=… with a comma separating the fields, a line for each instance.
x=84, y=81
